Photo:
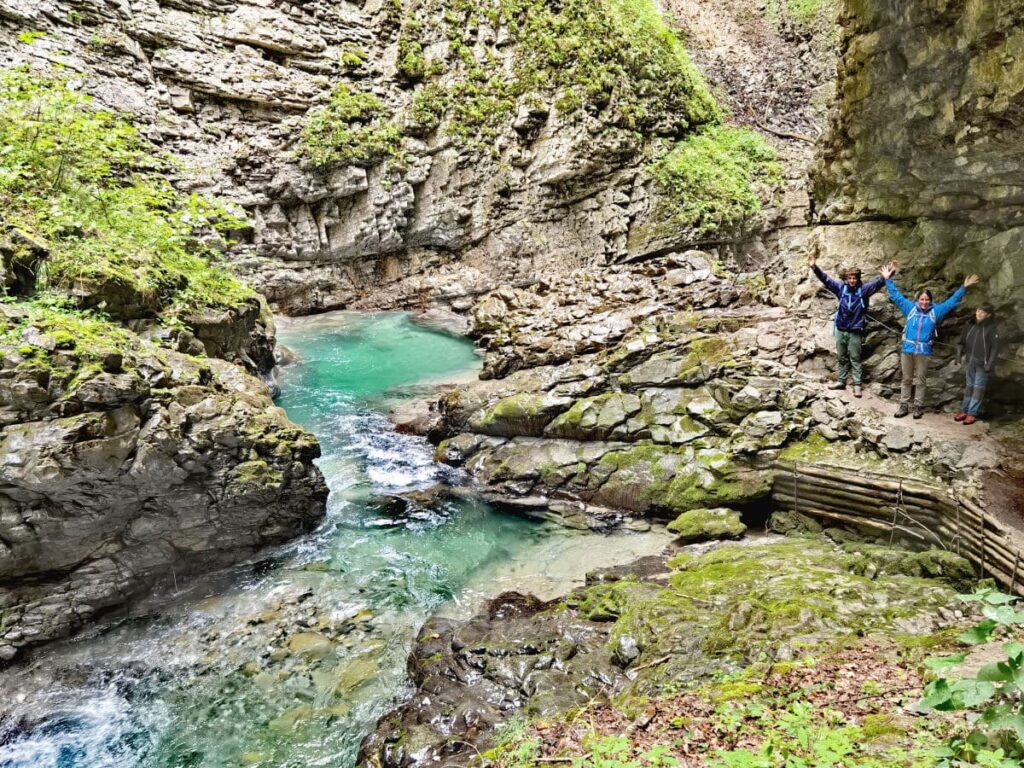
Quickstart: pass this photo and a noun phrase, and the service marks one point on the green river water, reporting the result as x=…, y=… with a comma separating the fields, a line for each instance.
x=289, y=659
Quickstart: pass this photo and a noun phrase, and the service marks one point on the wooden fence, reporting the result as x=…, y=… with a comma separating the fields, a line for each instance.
x=909, y=511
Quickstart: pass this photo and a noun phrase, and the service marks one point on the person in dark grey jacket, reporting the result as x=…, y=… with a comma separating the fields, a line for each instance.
x=977, y=351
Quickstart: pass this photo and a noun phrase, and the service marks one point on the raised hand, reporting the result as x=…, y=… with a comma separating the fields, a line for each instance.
x=888, y=270
x=812, y=259
x=971, y=280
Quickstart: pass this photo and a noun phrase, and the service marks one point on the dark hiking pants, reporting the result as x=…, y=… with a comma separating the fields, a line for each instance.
x=974, y=390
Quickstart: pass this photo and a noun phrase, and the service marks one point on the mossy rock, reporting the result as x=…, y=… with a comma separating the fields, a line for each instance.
x=521, y=414
x=648, y=477
x=255, y=475
x=594, y=418
x=930, y=563
x=708, y=524
x=790, y=523
x=739, y=602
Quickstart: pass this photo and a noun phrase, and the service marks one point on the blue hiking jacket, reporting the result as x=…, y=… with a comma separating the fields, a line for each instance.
x=852, y=314
x=919, y=331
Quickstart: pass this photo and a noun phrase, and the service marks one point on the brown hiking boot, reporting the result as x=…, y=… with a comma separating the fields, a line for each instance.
x=960, y=416
x=968, y=420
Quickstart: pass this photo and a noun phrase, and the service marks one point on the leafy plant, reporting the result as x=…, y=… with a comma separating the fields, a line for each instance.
x=617, y=752
x=427, y=108
x=29, y=36
x=412, y=66
x=994, y=696
x=92, y=198
x=352, y=57
x=613, y=58
x=800, y=737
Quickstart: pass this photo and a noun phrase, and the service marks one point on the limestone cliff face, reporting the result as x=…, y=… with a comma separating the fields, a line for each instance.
x=227, y=87
x=924, y=160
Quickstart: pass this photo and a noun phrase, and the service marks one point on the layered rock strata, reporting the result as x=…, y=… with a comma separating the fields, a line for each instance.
x=480, y=182
x=658, y=388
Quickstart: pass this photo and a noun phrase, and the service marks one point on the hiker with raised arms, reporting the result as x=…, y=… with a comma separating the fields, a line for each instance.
x=923, y=318
x=850, y=321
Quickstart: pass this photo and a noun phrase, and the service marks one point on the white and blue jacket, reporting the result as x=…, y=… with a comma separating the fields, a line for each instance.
x=919, y=332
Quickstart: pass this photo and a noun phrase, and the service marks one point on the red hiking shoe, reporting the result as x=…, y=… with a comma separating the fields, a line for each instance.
x=960, y=416
x=968, y=420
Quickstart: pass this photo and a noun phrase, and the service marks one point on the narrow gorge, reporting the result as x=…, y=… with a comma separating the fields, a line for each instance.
x=420, y=382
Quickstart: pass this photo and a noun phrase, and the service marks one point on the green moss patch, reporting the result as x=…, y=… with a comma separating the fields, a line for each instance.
x=351, y=129
x=745, y=601
x=649, y=477
x=524, y=413
x=256, y=475
x=613, y=58
x=709, y=179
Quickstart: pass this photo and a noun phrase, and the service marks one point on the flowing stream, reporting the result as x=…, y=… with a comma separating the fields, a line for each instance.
x=289, y=659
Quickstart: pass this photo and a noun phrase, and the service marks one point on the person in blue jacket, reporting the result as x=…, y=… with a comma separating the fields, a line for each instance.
x=851, y=321
x=923, y=318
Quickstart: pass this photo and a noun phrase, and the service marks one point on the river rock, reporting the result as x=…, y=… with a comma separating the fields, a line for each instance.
x=706, y=524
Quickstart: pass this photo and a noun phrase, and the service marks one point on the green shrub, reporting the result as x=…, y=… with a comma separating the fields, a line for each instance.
x=612, y=58
x=83, y=184
x=427, y=108
x=708, y=179
x=411, y=64
x=350, y=129
x=352, y=57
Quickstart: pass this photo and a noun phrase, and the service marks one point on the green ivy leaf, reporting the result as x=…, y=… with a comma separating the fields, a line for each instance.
x=995, y=597
x=972, y=693
x=1003, y=614
x=981, y=633
x=937, y=695
x=990, y=596
x=1004, y=718
x=1015, y=650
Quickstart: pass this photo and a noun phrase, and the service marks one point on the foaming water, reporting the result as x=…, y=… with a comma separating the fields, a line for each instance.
x=289, y=659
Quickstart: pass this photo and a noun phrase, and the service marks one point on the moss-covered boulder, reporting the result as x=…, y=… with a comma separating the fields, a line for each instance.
x=595, y=418
x=657, y=479
x=135, y=438
x=707, y=524
x=698, y=358
x=790, y=523
x=524, y=413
